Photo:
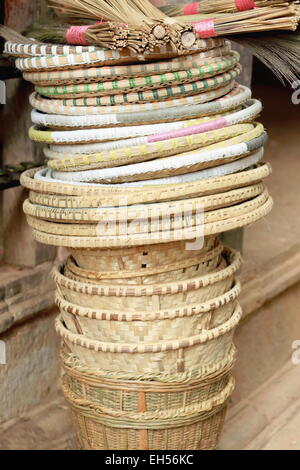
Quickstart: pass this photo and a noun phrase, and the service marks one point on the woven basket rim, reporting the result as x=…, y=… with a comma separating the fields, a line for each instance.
x=180, y=312
x=224, y=97
x=153, y=230
x=150, y=95
x=136, y=212
x=74, y=367
x=125, y=85
x=152, y=420
x=134, y=70
x=161, y=269
x=261, y=171
x=203, y=159
x=165, y=288
x=190, y=234
x=109, y=57
x=141, y=348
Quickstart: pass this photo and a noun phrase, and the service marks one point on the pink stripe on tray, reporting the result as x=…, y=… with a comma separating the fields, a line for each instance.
x=206, y=127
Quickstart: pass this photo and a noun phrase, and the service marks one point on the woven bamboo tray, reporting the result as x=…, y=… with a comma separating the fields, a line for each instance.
x=96, y=74
x=186, y=269
x=43, y=49
x=91, y=395
x=205, y=103
x=105, y=57
x=119, y=137
x=226, y=97
x=138, y=212
x=191, y=233
x=74, y=202
x=119, y=120
x=204, y=159
x=156, y=94
x=89, y=222
x=142, y=152
x=134, y=84
x=151, y=298
x=205, y=348
x=191, y=167
x=112, y=195
x=127, y=262
x=99, y=325
x=60, y=122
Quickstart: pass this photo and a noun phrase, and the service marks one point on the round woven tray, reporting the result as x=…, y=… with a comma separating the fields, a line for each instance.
x=145, y=96
x=121, y=135
x=249, y=108
x=68, y=203
x=139, y=152
x=191, y=233
x=109, y=57
x=138, y=214
x=185, y=167
x=63, y=122
x=111, y=195
x=202, y=104
x=160, y=149
x=43, y=49
x=179, y=164
x=186, y=354
x=91, y=74
x=134, y=84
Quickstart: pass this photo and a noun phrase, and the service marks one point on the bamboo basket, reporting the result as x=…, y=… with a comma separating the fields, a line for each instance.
x=170, y=412
x=149, y=298
x=167, y=356
x=139, y=258
x=185, y=269
x=174, y=324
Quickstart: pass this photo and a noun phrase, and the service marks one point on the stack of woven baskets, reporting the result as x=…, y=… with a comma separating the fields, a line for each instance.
x=145, y=157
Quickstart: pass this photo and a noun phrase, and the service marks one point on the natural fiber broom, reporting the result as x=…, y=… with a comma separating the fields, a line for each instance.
x=138, y=13
x=216, y=6
x=252, y=21
x=280, y=53
x=105, y=34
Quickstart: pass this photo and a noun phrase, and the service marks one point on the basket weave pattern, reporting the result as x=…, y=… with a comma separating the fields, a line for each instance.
x=148, y=296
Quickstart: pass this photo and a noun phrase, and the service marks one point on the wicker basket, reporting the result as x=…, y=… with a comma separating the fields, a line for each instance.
x=115, y=326
x=138, y=258
x=149, y=298
x=160, y=413
x=185, y=269
x=169, y=356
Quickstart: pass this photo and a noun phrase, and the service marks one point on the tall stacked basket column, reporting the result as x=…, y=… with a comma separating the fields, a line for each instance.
x=148, y=160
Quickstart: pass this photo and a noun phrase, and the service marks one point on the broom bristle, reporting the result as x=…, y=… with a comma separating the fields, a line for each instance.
x=213, y=6
x=10, y=35
x=53, y=33
x=280, y=53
